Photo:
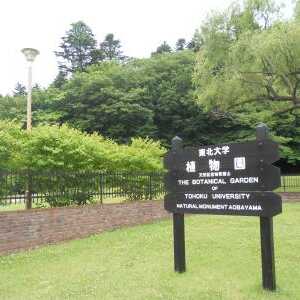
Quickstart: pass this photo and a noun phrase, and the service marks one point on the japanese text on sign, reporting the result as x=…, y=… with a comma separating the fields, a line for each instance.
x=214, y=151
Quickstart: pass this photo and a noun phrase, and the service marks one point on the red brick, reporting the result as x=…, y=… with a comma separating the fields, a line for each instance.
x=32, y=228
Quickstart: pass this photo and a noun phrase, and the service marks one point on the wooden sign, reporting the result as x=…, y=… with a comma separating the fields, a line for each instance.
x=267, y=204
x=228, y=167
x=225, y=179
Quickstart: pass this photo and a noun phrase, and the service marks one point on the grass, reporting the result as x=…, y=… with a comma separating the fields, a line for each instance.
x=288, y=190
x=223, y=263
x=15, y=206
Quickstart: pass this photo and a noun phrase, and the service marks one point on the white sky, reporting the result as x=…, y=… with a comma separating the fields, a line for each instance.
x=141, y=25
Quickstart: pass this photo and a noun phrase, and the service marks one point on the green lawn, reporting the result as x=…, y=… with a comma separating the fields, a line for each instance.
x=223, y=262
x=14, y=206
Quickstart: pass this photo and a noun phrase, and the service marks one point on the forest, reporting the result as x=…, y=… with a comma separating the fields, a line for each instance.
x=241, y=68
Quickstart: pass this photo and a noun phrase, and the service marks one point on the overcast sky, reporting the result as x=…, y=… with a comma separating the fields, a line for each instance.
x=141, y=25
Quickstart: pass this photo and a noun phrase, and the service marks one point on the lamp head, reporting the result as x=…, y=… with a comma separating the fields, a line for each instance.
x=30, y=54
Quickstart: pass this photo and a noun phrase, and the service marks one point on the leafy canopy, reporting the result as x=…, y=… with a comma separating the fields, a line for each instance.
x=76, y=48
x=249, y=68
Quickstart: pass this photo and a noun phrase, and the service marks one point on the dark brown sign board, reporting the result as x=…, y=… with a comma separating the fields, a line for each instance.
x=225, y=179
x=267, y=204
x=253, y=179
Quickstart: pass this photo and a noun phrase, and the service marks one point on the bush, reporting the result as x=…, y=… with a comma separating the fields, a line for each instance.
x=79, y=198
x=54, y=155
x=11, y=139
x=52, y=148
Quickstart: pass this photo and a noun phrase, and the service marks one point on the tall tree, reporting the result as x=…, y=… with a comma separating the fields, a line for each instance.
x=196, y=42
x=180, y=44
x=20, y=90
x=110, y=48
x=257, y=65
x=13, y=108
x=297, y=10
x=145, y=97
x=163, y=48
x=249, y=68
x=59, y=80
x=76, y=48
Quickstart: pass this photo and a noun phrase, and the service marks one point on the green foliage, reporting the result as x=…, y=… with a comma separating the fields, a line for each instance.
x=13, y=108
x=11, y=137
x=297, y=11
x=144, y=97
x=79, y=198
x=20, y=90
x=180, y=44
x=59, y=80
x=76, y=48
x=110, y=49
x=65, y=164
x=102, y=100
x=141, y=155
x=249, y=67
x=53, y=148
x=245, y=72
x=163, y=48
x=196, y=43
x=167, y=80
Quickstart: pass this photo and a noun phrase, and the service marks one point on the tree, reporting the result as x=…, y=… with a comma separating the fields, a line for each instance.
x=163, y=48
x=263, y=12
x=144, y=97
x=262, y=66
x=76, y=48
x=110, y=49
x=297, y=11
x=11, y=139
x=180, y=44
x=249, y=68
x=13, y=108
x=167, y=79
x=98, y=56
x=104, y=100
x=20, y=90
x=59, y=80
x=196, y=42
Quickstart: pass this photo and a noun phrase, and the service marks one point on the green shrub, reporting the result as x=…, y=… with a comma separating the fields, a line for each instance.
x=11, y=139
x=67, y=149
x=65, y=163
x=61, y=200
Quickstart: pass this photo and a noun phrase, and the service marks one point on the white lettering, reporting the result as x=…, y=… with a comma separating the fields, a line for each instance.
x=243, y=180
x=229, y=196
x=195, y=196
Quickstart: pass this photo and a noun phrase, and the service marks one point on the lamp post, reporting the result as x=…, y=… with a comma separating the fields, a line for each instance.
x=30, y=55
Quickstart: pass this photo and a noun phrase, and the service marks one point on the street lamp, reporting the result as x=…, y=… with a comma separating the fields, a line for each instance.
x=30, y=55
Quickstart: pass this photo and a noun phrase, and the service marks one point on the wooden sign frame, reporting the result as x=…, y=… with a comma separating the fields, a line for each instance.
x=263, y=152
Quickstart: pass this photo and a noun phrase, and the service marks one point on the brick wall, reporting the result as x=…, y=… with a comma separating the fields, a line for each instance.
x=28, y=229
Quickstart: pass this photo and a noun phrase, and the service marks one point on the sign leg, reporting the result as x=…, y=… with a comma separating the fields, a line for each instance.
x=179, y=242
x=267, y=253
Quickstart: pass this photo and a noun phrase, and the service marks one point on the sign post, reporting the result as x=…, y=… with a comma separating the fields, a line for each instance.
x=178, y=224
x=266, y=232
x=226, y=179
